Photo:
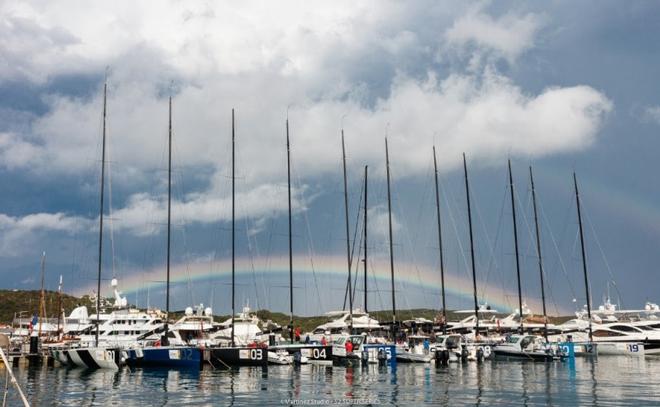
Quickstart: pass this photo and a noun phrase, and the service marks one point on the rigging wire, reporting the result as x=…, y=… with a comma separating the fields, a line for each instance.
x=110, y=217
x=532, y=237
x=179, y=188
x=311, y=251
x=407, y=238
x=492, y=246
x=556, y=248
x=352, y=253
x=602, y=253
x=448, y=194
x=252, y=248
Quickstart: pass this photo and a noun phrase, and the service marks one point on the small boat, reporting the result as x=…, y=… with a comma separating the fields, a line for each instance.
x=342, y=357
x=525, y=347
x=309, y=352
x=417, y=351
x=454, y=348
x=279, y=357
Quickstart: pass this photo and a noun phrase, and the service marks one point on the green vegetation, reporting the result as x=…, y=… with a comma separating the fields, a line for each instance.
x=27, y=302
x=13, y=302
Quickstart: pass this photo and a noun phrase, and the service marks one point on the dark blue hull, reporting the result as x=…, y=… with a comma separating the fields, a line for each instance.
x=165, y=356
x=386, y=353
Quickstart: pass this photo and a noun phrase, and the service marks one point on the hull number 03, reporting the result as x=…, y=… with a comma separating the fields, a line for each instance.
x=256, y=354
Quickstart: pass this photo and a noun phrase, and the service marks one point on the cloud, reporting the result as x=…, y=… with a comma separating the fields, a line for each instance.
x=145, y=215
x=371, y=63
x=16, y=233
x=379, y=223
x=507, y=36
x=486, y=115
x=17, y=153
x=27, y=47
x=652, y=114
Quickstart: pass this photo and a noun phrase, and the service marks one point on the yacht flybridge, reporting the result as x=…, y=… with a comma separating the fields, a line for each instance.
x=342, y=323
x=245, y=327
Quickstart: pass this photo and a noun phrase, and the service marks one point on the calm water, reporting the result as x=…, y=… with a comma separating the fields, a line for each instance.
x=606, y=381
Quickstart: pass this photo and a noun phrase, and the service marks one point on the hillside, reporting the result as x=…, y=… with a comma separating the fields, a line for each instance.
x=12, y=302
x=27, y=302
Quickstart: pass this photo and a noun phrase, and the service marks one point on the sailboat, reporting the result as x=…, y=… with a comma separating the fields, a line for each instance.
x=161, y=353
x=402, y=352
x=483, y=319
x=314, y=352
x=521, y=345
x=256, y=353
x=355, y=325
x=98, y=355
x=609, y=338
x=588, y=347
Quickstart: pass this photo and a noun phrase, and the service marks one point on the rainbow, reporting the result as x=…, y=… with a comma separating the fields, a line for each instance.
x=409, y=278
x=636, y=209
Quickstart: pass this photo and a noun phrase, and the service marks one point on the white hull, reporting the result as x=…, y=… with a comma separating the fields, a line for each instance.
x=94, y=358
x=276, y=358
x=621, y=348
x=404, y=356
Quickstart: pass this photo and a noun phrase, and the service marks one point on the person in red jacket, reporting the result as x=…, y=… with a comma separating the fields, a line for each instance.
x=349, y=347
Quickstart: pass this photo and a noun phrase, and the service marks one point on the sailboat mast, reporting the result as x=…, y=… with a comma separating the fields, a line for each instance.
x=59, y=306
x=233, y=231
x=288, y=167
x=584, y=257
x=42, y=295
x=515, y=242
x=348, y=241
x=165, y=340
x=366, y=172
x=474, y=270
x=538, y=251
x=98, y=279
x=442, y=262
x=389, y=213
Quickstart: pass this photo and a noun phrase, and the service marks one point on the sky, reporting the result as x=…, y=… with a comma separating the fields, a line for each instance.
x=559, y=86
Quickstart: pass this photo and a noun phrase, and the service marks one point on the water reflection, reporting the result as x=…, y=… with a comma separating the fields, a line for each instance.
x=600, y=381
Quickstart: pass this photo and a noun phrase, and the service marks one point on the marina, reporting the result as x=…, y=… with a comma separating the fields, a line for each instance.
x=330, y=203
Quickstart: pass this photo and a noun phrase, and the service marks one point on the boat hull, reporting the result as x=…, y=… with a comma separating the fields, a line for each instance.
x=237, y=356
x=381, y=353
x=317, y=354
x=621, y=349
x=164, y=356
x=94, y=358
x=513, y=354
x=407, y=357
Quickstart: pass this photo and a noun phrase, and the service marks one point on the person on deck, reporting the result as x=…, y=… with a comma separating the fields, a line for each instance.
x=349, y=347
x=323, y=341
x=297, y=334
